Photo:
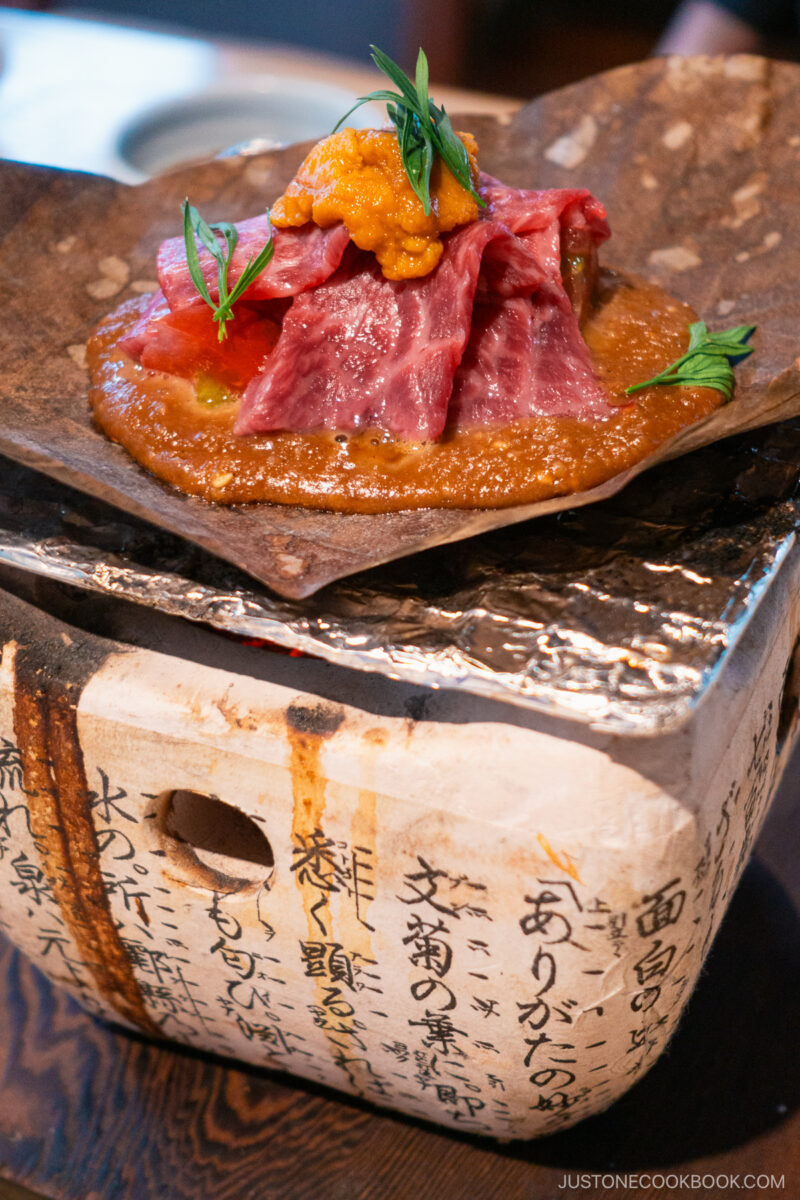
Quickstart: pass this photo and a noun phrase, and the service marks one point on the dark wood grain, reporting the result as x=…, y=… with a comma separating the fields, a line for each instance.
x=13, y=1191
x=90, y=1113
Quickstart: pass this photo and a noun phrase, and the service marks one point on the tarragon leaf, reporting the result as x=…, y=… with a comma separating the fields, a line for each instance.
x=453, y=151
x=397, y=75
x=423, y=129
x=421, y=83
x=251, y=272
x=192, y=257
x=707, y=361
x=194, y=227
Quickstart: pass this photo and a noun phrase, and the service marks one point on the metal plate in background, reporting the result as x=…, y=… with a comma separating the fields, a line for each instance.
x=618, y=615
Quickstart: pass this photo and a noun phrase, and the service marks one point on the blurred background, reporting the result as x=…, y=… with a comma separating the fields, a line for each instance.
x=130, y=87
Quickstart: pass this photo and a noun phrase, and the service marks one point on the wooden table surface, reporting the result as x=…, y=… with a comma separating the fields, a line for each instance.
x=90, y=1113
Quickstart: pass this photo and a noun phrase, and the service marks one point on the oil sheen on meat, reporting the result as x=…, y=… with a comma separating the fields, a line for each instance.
x=634, y=330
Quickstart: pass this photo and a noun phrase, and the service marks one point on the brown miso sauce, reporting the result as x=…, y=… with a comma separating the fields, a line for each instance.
x=634, y=331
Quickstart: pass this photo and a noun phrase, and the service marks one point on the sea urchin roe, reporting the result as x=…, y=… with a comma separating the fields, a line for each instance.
x=357, y=176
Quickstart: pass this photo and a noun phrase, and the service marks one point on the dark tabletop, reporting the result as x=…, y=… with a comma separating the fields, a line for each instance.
x=90, y=1113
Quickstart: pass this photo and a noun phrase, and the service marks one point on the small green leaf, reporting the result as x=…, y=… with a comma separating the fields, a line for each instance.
x=454, y=153
x=192, y=257
x=421, y=84
x=427, y=165
x=698, y=333
x=361, y=100
x=396, y=74
x=251, y=272
x=194, y=226
x=207, y=236
x=423, y=129
x=707, y=361
x=231, y=236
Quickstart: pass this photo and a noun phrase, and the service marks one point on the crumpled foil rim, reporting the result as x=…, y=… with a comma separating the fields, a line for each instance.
x=666, y=695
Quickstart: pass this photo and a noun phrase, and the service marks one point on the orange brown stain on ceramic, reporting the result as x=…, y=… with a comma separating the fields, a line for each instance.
x=308, y=726
x=307, y=729
x=45, y=724
x=353, y=928
x=247, y=719
x=234, y=719
x=563, y=861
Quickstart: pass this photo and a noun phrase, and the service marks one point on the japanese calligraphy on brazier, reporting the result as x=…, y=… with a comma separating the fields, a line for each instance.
x=497, y=981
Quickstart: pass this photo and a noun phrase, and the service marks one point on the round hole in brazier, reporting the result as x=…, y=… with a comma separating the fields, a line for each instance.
x=213, y=844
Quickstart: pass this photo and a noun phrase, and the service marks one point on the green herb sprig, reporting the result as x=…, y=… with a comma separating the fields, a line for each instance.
x=423, y=128
x=707, y=362
x=195, y=226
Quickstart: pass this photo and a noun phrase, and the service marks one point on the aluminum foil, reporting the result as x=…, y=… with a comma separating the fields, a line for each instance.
x=618, y=615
